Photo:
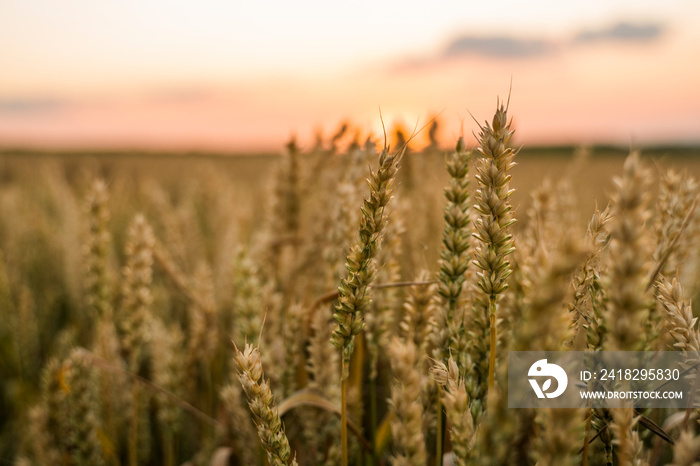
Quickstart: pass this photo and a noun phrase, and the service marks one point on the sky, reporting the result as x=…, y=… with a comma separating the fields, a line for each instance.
x=242, y=76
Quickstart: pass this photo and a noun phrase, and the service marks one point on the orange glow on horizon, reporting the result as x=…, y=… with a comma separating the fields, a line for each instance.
x=178, y=91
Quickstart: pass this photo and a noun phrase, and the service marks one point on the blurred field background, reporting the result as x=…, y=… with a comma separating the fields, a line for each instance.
x=247, y=178
x=588, y=169
x=220, y=234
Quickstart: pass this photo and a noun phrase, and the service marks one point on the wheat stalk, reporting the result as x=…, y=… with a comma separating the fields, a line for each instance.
x=169, y=373
x=134, y=319
x=492, y=227
x=354, y=297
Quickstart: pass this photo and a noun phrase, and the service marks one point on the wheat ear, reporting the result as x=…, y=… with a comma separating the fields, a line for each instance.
x=586, y=282
x=354, y=296
x=629, y=251
x=82, y=410
x=407, y=426
x=492, y=227
x=262, y=406
x=681, y=320
x=456, y=403
x=686, y=450
x=96, y=252
x=134, y=317
x=454, y=259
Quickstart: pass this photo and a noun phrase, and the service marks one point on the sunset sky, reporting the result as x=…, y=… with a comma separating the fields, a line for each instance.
x=239, y=76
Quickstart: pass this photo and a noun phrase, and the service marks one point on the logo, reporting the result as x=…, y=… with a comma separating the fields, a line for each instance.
x=542, y=369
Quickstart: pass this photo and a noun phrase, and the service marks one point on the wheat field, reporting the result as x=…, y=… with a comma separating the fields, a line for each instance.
x=345, y=304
